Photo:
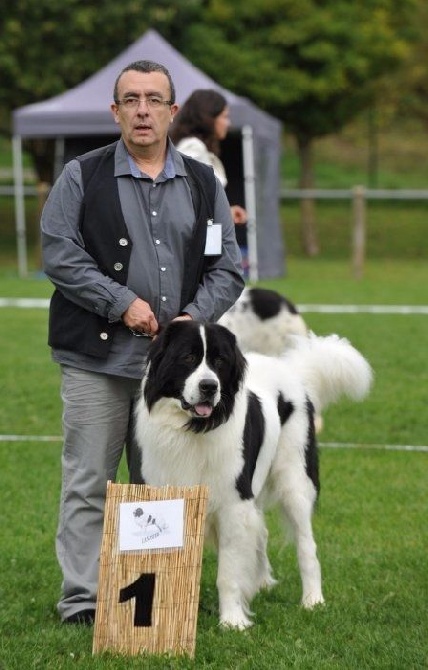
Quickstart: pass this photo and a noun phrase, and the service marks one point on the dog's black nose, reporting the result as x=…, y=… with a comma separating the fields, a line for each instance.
x=208, y=387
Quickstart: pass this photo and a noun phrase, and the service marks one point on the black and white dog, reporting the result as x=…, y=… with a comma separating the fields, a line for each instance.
x=244, y=426
x=264, y=321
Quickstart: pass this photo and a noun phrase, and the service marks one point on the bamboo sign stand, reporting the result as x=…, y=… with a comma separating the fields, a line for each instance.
x=148, y=597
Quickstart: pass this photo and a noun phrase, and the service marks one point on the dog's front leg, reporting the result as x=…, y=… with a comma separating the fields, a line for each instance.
x=241, y=530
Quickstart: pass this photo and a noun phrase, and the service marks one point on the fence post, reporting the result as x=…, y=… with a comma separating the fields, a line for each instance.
x=358, y=230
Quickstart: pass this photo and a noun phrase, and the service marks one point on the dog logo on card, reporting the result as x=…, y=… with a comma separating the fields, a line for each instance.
x=151, y=524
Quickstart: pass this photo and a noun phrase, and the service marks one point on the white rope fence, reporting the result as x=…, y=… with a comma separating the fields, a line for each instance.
x=325, y=445
x=41, y=303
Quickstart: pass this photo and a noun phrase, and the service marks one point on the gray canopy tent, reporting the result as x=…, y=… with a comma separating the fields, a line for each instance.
x=80, y=119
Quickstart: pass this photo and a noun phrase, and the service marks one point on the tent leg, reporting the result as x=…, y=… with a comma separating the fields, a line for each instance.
x=18, y=181
x=250, y=200
x=59, y=157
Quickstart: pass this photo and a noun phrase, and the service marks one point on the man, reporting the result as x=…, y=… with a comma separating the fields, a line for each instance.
x=129, y=243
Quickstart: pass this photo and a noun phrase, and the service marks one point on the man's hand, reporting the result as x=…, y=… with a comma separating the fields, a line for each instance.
x=239, y=215
x=140, y=318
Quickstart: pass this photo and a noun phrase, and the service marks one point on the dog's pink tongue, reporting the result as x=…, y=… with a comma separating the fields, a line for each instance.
x=203, y=410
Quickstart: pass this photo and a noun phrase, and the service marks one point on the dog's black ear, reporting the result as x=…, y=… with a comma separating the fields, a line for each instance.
x=240, y=366
x=155, y=356
x=237, y=370
x=159, y=344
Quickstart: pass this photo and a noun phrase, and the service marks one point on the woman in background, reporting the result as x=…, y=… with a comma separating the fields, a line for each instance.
x=201, y=124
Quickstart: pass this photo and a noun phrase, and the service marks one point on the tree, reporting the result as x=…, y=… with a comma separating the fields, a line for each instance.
x=48, y=46
x=412, y=82
x=314, y=64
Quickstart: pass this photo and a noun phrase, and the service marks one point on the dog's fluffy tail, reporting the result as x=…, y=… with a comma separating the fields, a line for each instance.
x=331, y=368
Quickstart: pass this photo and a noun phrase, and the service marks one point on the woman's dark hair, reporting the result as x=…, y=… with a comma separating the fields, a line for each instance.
x=196, y=118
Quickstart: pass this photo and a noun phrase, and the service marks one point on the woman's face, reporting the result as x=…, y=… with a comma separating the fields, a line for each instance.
x=222, y=124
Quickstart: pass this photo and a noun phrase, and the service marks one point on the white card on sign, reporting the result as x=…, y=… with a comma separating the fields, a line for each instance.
x=151, y=524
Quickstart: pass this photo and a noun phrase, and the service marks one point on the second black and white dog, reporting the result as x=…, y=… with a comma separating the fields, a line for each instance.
x=244, y=426
x=264, y=321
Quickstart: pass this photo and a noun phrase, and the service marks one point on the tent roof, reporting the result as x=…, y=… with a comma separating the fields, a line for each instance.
x=85, y=109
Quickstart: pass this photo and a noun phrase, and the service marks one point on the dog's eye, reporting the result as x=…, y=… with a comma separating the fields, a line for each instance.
x=189, y=358
x=218, y=362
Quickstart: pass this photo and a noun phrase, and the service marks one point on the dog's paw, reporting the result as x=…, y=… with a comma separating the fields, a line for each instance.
x=311, y=600
x=237, y=620
x=268, y=583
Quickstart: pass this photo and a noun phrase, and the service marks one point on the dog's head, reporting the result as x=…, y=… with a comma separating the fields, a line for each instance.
x=198, y=366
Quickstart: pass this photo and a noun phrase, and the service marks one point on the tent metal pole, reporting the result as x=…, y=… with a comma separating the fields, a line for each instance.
x=250, y=200
x=59, y=156
x=18, y=189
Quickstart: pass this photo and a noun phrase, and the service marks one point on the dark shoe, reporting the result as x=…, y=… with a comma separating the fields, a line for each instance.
x=84, y=618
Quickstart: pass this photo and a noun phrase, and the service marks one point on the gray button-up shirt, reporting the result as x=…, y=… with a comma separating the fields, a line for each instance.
x=159, y=215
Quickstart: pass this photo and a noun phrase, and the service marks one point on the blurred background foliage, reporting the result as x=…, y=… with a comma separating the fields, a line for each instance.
x=314, y=64
x=351, y=70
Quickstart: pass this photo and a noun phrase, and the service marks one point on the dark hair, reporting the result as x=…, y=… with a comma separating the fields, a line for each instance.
x=145, y=66
x=196, y=118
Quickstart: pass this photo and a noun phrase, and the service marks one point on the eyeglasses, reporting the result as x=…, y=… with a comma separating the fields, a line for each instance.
x=152, y=101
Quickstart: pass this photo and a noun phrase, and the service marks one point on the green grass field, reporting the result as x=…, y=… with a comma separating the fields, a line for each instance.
x=370, y=524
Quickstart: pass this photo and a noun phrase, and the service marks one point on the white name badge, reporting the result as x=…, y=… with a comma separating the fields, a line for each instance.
x=213, y=241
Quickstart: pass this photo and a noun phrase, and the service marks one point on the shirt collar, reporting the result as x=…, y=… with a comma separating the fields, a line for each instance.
x=125, y=165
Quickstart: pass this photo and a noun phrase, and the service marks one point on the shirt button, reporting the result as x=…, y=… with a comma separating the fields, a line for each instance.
x=123, y=242
x=157, y=241
x=163, y=269
x=154, y=213
x=118, y=266
x=103, y=336
x=163, y=298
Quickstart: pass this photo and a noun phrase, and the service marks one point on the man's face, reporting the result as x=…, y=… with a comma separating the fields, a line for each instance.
x=144, y=120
